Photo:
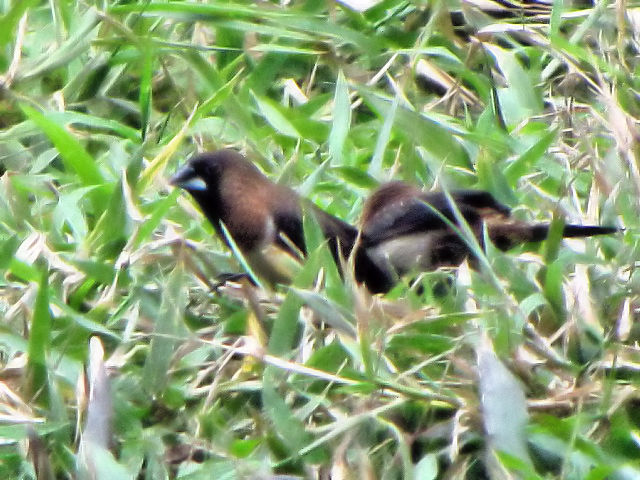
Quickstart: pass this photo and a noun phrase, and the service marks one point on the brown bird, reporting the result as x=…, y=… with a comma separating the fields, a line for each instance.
x=404, y=228
x=265, y=219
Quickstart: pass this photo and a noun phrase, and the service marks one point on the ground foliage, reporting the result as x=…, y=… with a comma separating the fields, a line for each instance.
x=120, y=361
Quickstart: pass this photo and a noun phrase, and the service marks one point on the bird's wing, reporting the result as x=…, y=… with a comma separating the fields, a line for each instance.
x=424, y=213
x=289, y=233
x=419, y=213
x=480, y=200
x=405, y=217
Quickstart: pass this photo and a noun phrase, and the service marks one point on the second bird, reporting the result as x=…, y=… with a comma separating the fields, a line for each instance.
x=404, y=228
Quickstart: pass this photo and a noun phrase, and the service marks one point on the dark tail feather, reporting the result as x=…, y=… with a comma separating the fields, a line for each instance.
x=507, y=236
x=540, y=232
x=587, y=230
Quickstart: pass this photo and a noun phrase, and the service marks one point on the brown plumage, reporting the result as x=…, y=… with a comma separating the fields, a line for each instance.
x=263, y=218
x=403, y=228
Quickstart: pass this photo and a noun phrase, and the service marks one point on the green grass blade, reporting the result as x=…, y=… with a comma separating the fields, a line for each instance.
x=341, y=120
x=40, y=341
x=74, y=156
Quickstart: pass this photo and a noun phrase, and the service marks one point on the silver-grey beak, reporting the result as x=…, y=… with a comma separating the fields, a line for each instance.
x=187, y=178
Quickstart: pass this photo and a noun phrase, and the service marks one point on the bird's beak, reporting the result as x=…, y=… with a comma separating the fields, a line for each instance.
x=188, y=179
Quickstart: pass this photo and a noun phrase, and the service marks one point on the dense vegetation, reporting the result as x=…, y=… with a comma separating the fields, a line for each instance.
x=527, y=368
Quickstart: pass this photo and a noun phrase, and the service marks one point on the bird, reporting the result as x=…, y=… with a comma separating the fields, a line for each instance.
x=405, y=229
x=265, y=219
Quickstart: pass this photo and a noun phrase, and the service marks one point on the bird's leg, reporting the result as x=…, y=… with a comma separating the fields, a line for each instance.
x=224, y=278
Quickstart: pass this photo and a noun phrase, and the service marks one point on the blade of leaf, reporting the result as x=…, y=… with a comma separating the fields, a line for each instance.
x=144, y=98
x=504, y=406
x=10, y=19
x=69, y=51
x=166, y=332
x=40, y=341
x=161, y=159
x=341, y=120
x=375, y=167
x=274, y=115
x=74, y=156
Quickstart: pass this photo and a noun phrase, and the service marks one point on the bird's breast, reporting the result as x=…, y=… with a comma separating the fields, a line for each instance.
x=273, y=264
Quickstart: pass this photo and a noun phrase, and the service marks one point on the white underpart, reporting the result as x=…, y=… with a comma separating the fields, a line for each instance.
x=406, y=253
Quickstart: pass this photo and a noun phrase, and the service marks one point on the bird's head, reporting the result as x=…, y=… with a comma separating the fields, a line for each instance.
x=225, y=184
x=205, y=171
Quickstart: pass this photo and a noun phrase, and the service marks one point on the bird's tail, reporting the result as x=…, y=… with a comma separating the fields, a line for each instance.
x=509, y=235
x=540, y=231
x=587, y=230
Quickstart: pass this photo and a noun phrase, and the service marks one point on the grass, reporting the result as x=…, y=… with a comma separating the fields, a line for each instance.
x=118, y=361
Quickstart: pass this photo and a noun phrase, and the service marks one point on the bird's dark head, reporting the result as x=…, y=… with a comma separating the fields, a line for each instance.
x=205, y=171
x=223, y=182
